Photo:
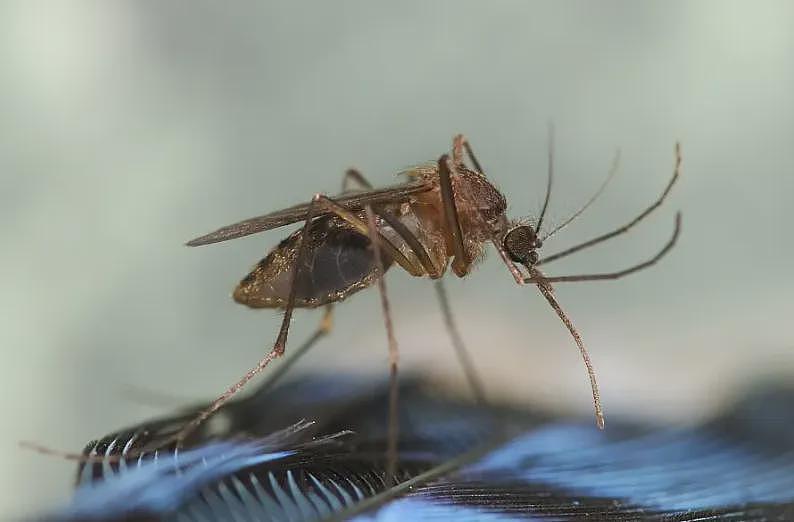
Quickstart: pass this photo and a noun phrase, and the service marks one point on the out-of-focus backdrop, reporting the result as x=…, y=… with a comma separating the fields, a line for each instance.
x=127, y=128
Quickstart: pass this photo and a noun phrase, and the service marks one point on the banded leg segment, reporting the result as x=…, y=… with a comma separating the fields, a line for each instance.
x=393, y=422
x=463, y=354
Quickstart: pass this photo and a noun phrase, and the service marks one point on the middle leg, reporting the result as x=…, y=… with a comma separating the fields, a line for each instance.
x=393, y=425
x=376, y=242
x=463, y=354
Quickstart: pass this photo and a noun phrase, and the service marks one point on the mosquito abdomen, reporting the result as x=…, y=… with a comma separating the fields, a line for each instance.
x=338, y=263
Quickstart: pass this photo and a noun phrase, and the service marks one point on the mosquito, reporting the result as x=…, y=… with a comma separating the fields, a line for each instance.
x=442, y=217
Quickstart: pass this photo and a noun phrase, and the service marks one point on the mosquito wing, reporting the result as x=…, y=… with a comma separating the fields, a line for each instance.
x=280, y=218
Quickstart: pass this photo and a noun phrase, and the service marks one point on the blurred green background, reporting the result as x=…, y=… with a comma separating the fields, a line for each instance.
x=129, y=127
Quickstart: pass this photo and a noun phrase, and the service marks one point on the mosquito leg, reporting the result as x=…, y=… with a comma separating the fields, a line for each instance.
x=393, y=435
x=621, y=273
x=474, y=380
x=356, y=176
x=625, y=228
x=319, y=203
x=451, y=211
x=412, y=242
x=459, y=144
x=461, y=262
x=323, y=329
x=281, y=341
x=362, y=228
x=424, y=258
x=457, y=149
x=397, y=225
x=464, y=356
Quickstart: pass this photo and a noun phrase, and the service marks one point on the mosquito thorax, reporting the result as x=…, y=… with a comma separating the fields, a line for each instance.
x=521, y=243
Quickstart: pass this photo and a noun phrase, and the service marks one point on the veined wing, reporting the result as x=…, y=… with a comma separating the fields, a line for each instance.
x=279, y=218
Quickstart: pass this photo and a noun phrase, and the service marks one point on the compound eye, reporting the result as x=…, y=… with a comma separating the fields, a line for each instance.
x=518, y=243
x=533, y=258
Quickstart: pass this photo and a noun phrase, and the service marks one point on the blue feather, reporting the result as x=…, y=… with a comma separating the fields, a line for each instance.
x=162, y=485
x=738, y=466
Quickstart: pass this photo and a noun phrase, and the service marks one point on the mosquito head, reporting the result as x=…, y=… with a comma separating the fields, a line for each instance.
x=521, y=243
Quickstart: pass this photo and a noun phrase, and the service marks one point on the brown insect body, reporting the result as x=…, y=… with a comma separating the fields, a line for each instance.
x=339, y=261
x=481, y=211
x=442, y=216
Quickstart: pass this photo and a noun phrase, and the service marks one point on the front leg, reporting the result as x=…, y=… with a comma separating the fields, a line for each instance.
x=461, y=263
